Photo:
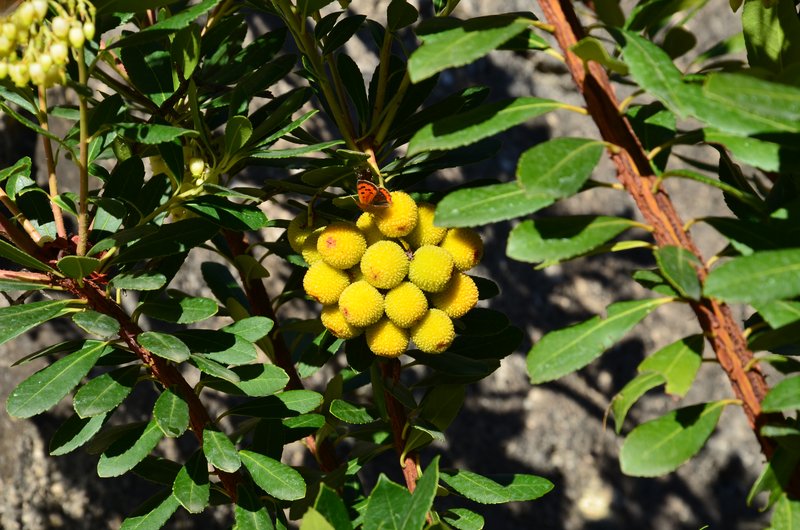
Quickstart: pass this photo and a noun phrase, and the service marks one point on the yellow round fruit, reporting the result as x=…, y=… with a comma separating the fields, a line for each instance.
x=434, y=333
x=361, y=304
x=431, y=268
x=333, y=319
x=324, y=283
x=341, y=245
x=384, y=264
x=425, y=233
x=465, y=245
x=400, y=218
x=299, y=230
x=405, y=304
x=366, y=223
x=386, y=339
x=309, y=249
x=460, y=295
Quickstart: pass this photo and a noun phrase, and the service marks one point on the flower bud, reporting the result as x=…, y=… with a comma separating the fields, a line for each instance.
x=88, y=29
x=5, y=45
x=18, y=72
x=40, y=8
x=36, y=73
x=24, y=15
x=59, y=52
x=76, y=37
x=3, y=69
x=46, y=61
x=9, y=31
x=60, y=27
x=197, y=166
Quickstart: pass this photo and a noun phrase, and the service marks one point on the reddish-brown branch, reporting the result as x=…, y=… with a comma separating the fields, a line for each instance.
x=390, y=370
x=261, y=305
x=166, y=374
x=636, y=175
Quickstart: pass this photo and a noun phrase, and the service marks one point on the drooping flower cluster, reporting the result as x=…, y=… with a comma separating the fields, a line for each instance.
x=392, y=275
x=35, y=40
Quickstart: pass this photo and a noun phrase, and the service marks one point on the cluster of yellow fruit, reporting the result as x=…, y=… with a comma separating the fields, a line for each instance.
x=35, y=48
x=392, y=275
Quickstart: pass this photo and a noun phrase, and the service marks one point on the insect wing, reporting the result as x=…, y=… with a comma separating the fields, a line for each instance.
x=383, y=198
x=367, y=191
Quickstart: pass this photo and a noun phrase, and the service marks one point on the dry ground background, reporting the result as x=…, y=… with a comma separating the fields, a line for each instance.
x=554, y=430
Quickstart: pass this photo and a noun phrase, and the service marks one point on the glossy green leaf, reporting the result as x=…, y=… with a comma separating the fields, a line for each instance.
x=153, y=133
x=566, y=350
x=341, y=33
x=285, y=404
x=214, y=369
x=171, y=413
x=786, y=515
x=105, y=392
x=255, y=380
x=441, y=405
x=779, y=313
x=23, y=167
x=139, y=281
x=274, y=477
x=219, y=346
x=277, y=154
x=191, y=486
x=591, y=49
x=349, y=413
x=679, y=267
x=17, y=319
x=129, y=450
x=630, y=394
x=662, y=445
x=463, y=519
x=487, y=204
x=12, y=253
x=46, y=387
x=677, y=363
x=228, y=214
x=7, y=285
x=77, y=266
x=769, y=156
x=776, y=474
x=392, y=506
x=553, y=239
x=760, y=277
x=96, y=323
x=75, y=432
x=220, y=451
x=331, y=506
x=238, y=131
x=468, y=127
x=499, y=488
x=459, y=43
x=313, y=520
x=251, y=328
x=250, y=512
x=771, y=34
x=169, y=239
x=559, y=167
x=783, y=396
x=181, y=311
x=153, y=514
x=177, y=21
x=164, y=345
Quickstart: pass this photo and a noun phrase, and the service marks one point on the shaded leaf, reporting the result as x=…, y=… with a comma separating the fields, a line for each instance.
x=499, y=488
x=129, y=450
x=276, y=478
x=182, y=311
x=250, y=512
x=77, y=267
x=171, y=413
x=630, y=394
x=96, y=323
x=75, y=432
x=760, y=277
x=679, y=267
x=17, y=319
x=105, y=392
x=349, y=413
x=164, y=345
x=220, y=451
x=153, y=514
x=191, y=487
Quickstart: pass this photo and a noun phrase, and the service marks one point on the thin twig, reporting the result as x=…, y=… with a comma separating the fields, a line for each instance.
x=52, y=180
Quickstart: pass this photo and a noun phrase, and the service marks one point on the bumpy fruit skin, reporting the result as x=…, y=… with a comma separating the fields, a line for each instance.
x=431, y=268
x=425, y=233
x=341, y=245
x=324, y=283
x=333, y=319
x=465, y=245
x=386, y=339
x=366, y=223
x=384, y=264
x=434, y=333
x=309, y=249
x=361, y=304
x=460, y=295
x=400, y=218
x=405, y=304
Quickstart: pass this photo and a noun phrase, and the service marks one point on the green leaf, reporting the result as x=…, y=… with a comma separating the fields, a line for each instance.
x=105, y=392
x=22, y=167
x=183, y=311
x=171, y=24
x=779, y=313
x=96, y=323
x=786, y=515
x=169, y=239
x=191, y=486
x=255, y=380
x=139, y=281
x=250, y=512
x=285, y=404
x=460, y=43
x=553, y=239
x=214, y=369
x=7, y=285
x=77, y=267
x=220, y=451
x=400, y=14
x=769, y=156
x=165, y=346
x=228, y=214
x=559, y=167
x=679, y=267
x=313, y=520
x=783, y=396
x=19, y=257
x=341, y=33
x=499, y=488
x=17, y=319
x=153, y=514
x=487, y=204
x=171, y=413
x=468, y=127
x=251, y=328
x=153, y=133
x=273, y=154
x=238, y=131
x=275, y=478
x=678, y=363
x=771, y=34
x=128, y=451
x=331, y=506
x=630, y=394
x=391, y=506
x=662, y=445
x=566, y=350
x=591, y=49
x=46, y=387
x=349, y=413
x=760, y=277
x=463, y=519
x=75, y=432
